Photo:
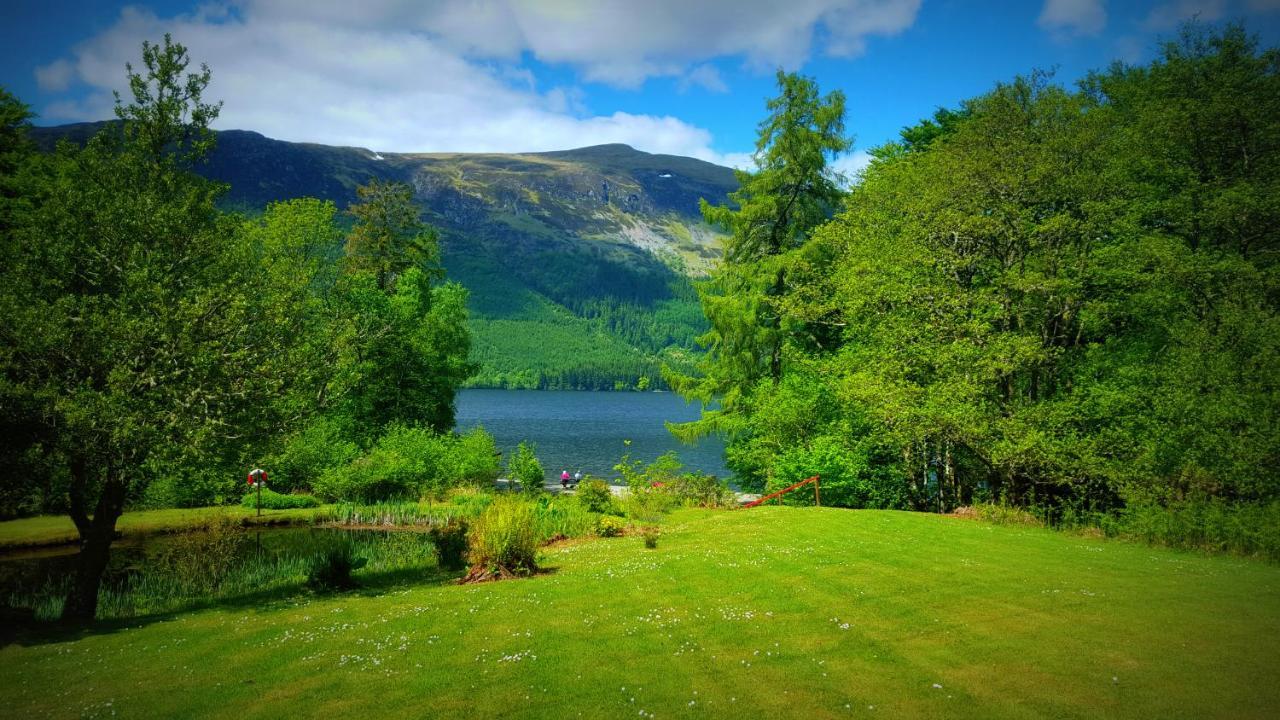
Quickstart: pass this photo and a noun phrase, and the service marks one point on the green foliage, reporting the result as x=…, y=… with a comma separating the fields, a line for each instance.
x=144, y=325
x=1065, y=300
x=594, y=495
x=396, y=467
x=524, y=468
x=323, y=444
x=411, y=346
x=411, y=462
x=650, y=534
x=647, y=505
x=400, y=514
x=389, y=236
x=702, y=490
x=504, y=538
x=204, y=554
x=331, y=569
x=771, y=215
x=272, y=500
x=610, y=526
x=450, y=540
x=559, y=518
x=475, y=459
x=1208, y=525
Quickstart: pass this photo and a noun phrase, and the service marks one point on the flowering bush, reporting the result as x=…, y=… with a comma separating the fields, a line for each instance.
x=610, y=526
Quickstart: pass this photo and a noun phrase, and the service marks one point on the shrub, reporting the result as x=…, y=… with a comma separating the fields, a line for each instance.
x=999, y=514
x=852, y=476
x=450, y=540
x=272, y=500
x=662, y=471
x=647, y=505
x=1213, y=525
x=523, y=467
x=610, y=526
x=323, y=444
x=474, y=459
x=504, y=540
x=331, y=569
x=404, y=463
x=702, y=490
x=650, y=534
x=594, y=495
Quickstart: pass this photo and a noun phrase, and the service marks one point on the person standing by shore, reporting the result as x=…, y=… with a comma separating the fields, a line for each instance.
x=564, y=478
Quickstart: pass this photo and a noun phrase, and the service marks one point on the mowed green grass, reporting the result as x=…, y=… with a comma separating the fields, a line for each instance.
x=58, y=529
x=771, y=612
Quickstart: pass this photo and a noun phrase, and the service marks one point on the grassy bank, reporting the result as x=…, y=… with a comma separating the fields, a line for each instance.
x=789, y=612
x=58, y=529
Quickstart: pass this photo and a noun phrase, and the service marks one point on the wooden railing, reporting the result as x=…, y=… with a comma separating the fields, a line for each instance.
x=817, y=492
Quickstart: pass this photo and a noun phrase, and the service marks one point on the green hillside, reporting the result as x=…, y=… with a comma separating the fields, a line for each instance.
x=579, y=262
x=771, y=612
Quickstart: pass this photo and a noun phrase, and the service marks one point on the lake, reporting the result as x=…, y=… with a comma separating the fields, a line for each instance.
x=581, y=430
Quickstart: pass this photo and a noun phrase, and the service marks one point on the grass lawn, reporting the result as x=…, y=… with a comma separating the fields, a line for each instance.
x=58, y=529
x=772, y=612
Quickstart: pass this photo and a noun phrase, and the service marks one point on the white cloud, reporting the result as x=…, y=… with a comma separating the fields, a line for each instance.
x=622, y=42
x=1073, y=17
x=1167, y=15
x=448, y=76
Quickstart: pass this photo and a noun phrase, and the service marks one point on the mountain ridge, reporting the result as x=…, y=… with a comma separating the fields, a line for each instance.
x=580, y=262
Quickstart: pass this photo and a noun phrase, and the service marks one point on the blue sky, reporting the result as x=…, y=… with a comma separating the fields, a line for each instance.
x=687, y=77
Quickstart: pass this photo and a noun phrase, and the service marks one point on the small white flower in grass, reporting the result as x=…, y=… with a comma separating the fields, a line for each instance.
x=936, y=686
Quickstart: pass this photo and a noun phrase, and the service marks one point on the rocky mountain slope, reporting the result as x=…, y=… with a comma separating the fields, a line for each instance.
x=579, y=261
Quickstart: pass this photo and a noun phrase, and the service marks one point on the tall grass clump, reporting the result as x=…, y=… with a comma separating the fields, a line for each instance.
x=504, y=540
x=395, y=514
x=562, y=518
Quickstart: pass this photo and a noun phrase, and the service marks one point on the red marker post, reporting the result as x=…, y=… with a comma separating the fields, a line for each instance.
x=258, y=478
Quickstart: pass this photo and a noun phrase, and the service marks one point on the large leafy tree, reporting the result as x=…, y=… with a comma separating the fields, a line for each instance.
x=1064, y=298
x=792, y=191
x=139, y=322
x=410, y=338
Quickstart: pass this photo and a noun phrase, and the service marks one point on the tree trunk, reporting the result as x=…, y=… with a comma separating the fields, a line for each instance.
x=96, y=535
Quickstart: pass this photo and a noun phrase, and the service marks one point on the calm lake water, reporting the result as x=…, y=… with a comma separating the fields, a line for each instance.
x=579, y=430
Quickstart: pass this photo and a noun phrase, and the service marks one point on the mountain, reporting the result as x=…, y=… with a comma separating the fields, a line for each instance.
x=579, y=262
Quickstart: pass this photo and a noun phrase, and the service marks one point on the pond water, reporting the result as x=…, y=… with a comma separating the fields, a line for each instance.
x=265, y=558
x=581, y=430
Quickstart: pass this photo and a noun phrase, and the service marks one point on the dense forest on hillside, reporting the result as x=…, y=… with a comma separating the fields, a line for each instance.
x=1062, y=298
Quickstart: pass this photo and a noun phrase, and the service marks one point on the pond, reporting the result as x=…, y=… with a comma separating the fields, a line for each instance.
x=588, y=431
x=153, y=574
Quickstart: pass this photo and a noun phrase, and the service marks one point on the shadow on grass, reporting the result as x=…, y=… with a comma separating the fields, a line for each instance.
x=21, y=628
